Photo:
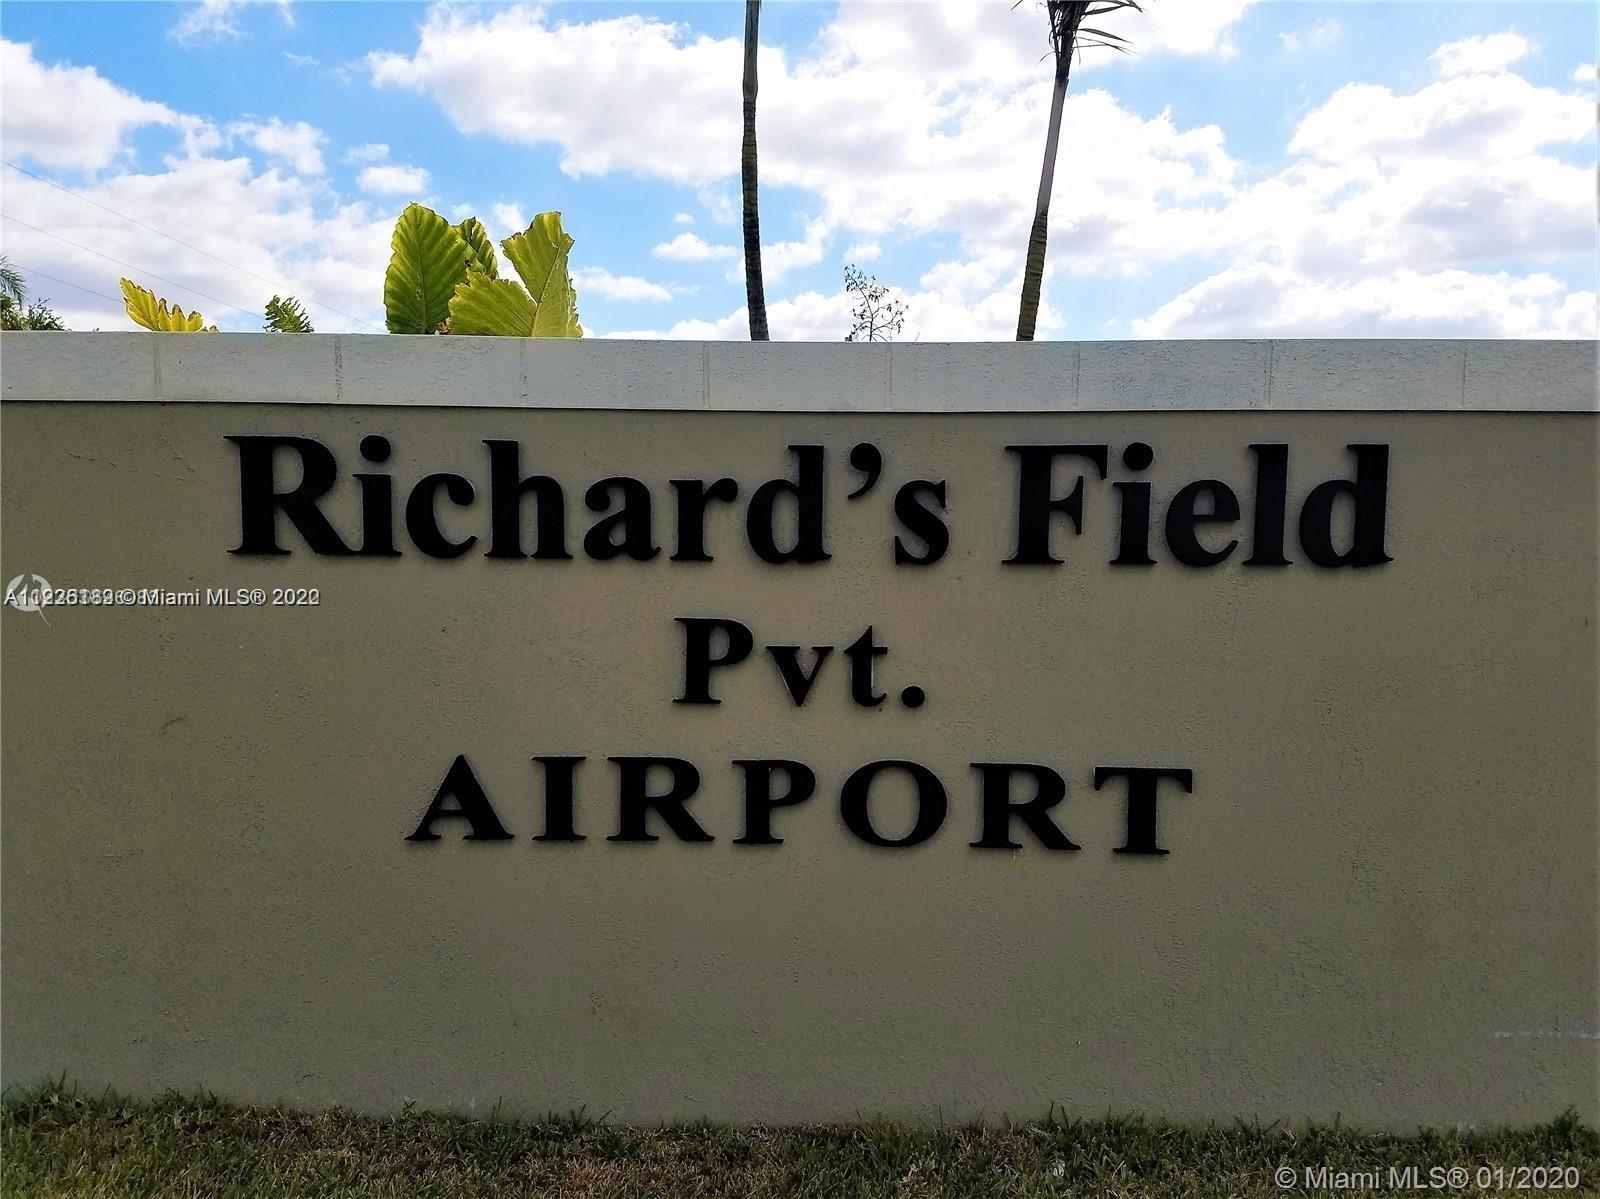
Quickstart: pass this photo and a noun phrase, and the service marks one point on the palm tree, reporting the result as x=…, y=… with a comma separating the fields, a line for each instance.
x=755, y=294
x=1066, y=36
x=15, y=312
x=12, y=288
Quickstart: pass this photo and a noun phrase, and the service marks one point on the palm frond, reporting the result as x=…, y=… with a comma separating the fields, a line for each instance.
x=11, y=285
x=1068, y=34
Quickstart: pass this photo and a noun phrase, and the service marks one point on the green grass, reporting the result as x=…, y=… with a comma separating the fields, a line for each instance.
x=55, y=1142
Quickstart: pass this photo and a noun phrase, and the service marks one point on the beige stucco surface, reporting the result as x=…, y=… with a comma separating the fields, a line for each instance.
x=1380, y=902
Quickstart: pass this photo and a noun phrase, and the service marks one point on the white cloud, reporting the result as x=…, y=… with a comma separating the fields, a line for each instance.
x=1447, y=176
x=66, y=116
x=992, y=45
x=1483, y=118
x=213, y=20
x=682, y=218
x=688, y=247
x=1266, y=301
x=368, y=152
x=1183, y=26
x=1323, y=32
x=956, y=301
x=903, y=121
x=218, y=20
x=864, y=251
x=276, y=233
x=880, y=77
x=1397, y=211
x=253, y=232
x=393, y=179
x=299, y=144
x=721, y=202
x=1485, y=54
x=810, y=316
x=301, y=60
x=595, y=88
x=897, y=120
x=1586, y=73
x=507, y=219
x=618, y=287
x=953, y=309
x=779, y=258
x=1390, y=201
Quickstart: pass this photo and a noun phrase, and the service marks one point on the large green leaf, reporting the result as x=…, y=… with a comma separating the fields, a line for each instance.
x=540, y=258
x=491, y=308
x=429, y=259
x=147, y=310
x=482, y=247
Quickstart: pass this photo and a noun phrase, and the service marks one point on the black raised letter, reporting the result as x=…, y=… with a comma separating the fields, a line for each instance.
x=922, y=522
x=631, y=519
x=377, y=502
x=1272, y=492
x=634, y=800
x=794, y=678
x=472, y=805
x=506, y=489
x=422, y=516
x=806, y=489
x=694, y=497
x=861, y=652
x=697, y=660
x=998, y=810
x=1133, y=539
x=759, y=800
x=1143, y=781
x=1368, y=494
x=259, y=502
x=857, y=791
x=1037, y=503
x=1183, y=521
x=558, y=798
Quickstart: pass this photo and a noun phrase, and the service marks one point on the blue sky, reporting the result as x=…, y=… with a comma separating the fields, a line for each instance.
x=1287, y=169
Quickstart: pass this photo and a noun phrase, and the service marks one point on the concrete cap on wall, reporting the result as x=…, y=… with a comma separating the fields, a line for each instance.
x=1067, y=376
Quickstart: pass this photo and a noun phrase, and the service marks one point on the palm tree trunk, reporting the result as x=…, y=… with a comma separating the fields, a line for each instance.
x=1033, y=271
x=755, y=294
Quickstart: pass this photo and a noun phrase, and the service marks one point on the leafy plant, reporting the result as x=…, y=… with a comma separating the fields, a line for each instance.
x=445, y=278
x=877, y=317
x=480, y=246
x=287, y=316
x=428, y=259
x=486, y=305
x=153, y=313
x=36, y=315
x=16, y=312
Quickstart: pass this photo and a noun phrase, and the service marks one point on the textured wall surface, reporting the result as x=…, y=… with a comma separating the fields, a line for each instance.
x=1045, y=376
x=1380, y=902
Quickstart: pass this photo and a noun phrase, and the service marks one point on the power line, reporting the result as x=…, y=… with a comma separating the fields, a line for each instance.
x=141, y=270
x=186, y=245
x=68, y=283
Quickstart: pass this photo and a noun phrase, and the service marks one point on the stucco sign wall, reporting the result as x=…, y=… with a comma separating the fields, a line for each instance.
x=1200, y=730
